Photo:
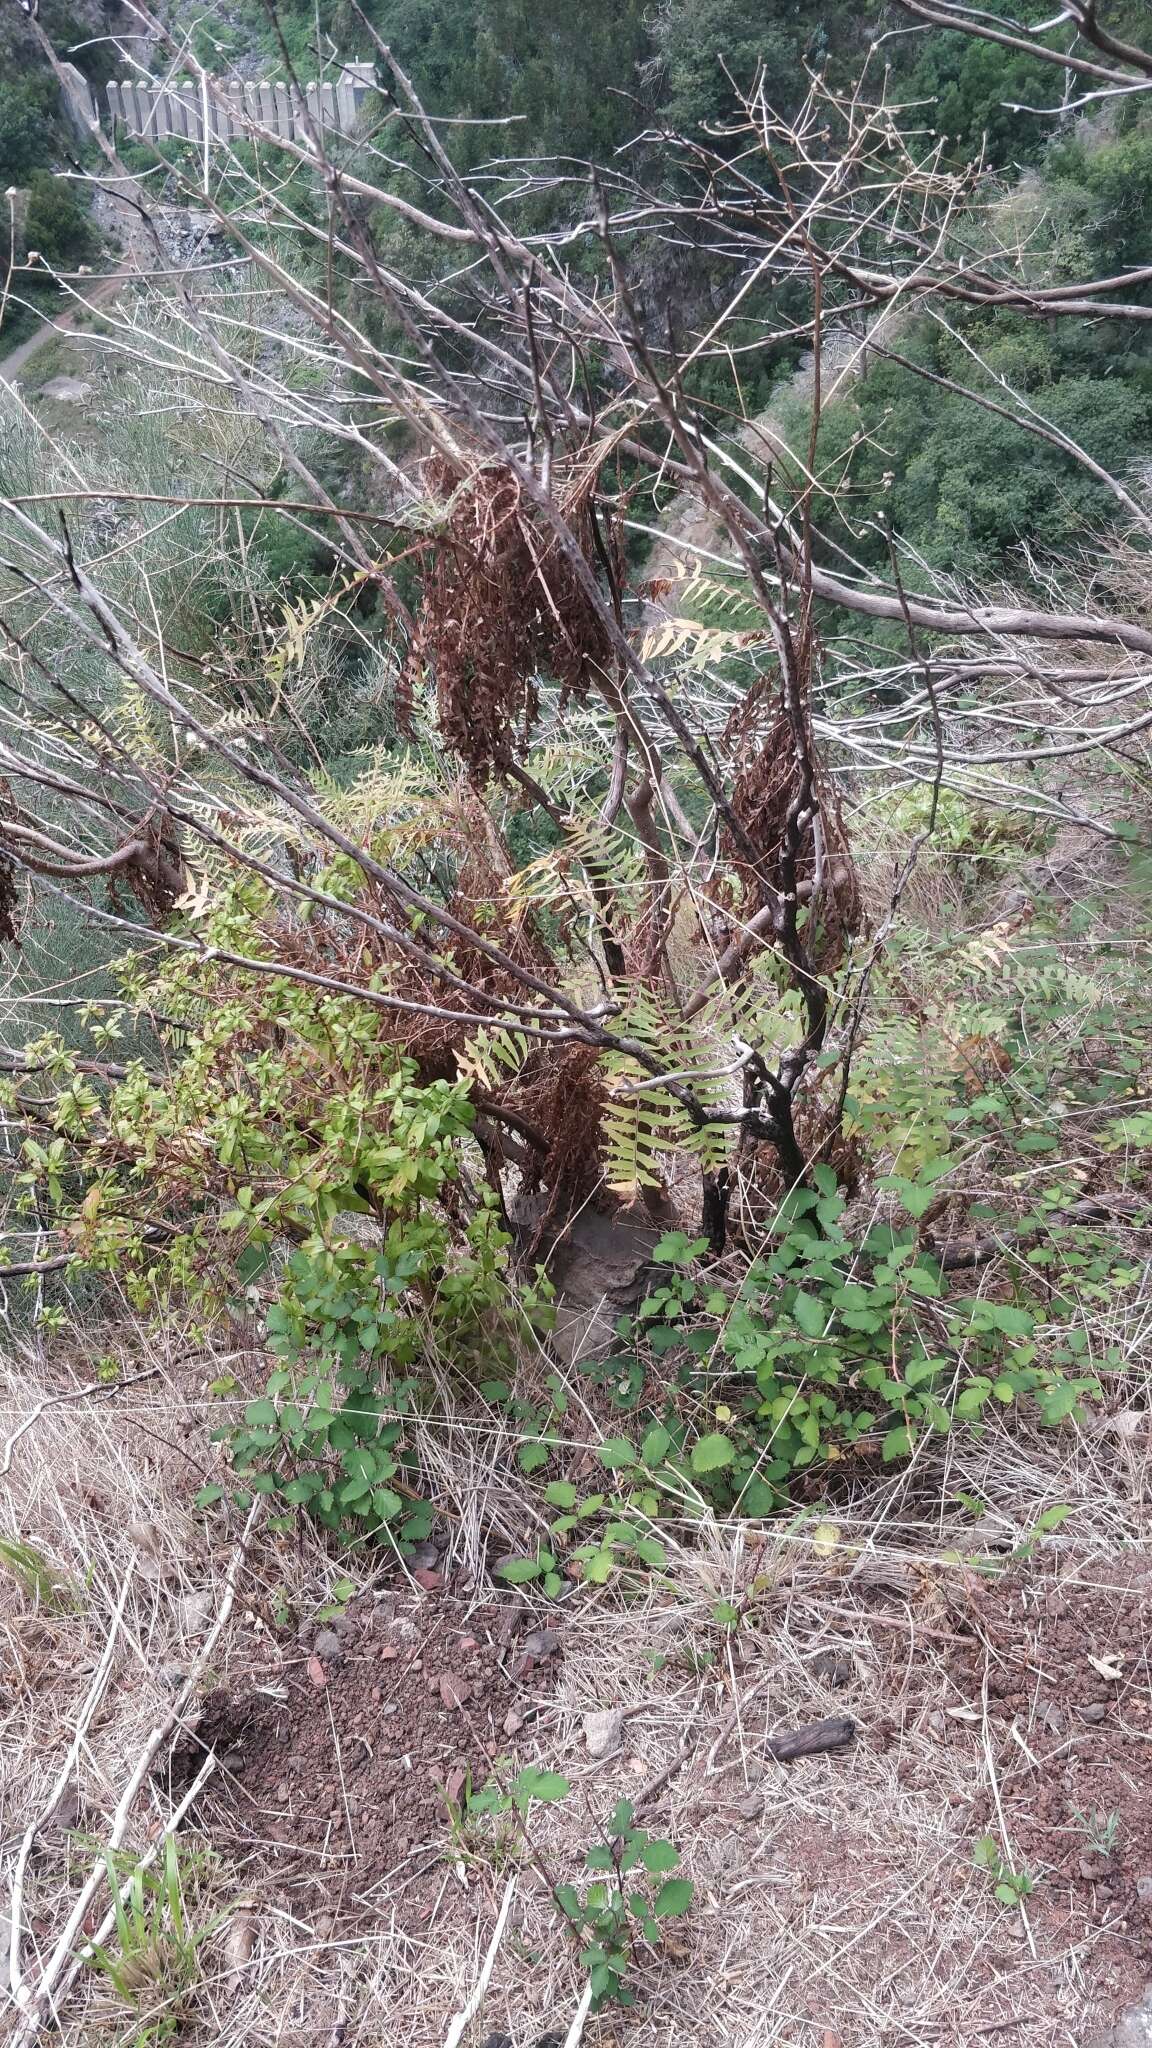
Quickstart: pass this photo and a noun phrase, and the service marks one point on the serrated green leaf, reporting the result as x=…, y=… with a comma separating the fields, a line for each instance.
x=656, y=1446
x=810, y=1313
x=546, y=1786
x=711, y=1453
x=518, y=1570
x=616, y=1453
x=657, y=1856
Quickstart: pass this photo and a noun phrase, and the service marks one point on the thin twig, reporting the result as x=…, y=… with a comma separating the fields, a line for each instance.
x=469, y=2010
x=76, y=1393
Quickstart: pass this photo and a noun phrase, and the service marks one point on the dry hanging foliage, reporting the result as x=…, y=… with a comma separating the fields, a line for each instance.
x=502, y=605
x=9, y=901
x=564, y=1097
x=764, y=796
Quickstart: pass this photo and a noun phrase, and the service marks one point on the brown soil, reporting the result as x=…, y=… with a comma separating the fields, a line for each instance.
x=1072, y=1745
x=342, y=1766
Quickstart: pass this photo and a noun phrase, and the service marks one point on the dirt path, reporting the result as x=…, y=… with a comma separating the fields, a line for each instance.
x=102, y=294
x=125, y=232
x=687, y=524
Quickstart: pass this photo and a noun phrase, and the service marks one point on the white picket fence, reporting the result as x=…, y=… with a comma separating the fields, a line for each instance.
x=155, y=108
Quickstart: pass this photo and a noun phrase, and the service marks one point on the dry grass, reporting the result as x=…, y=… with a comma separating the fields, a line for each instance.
x=838, y=1894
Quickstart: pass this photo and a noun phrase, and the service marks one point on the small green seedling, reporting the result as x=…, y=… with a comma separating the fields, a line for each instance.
x=1101, y=1829
x=500, y=1795
x=614, y=1914
x=1010, y=1886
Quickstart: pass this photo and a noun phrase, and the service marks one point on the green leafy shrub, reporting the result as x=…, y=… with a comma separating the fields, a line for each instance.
x=26, y=134
x=828, y=1341
x=293, y=1165
x=631, y=1894
x=333, y=1433
x=626, y=1905
x=57, y=223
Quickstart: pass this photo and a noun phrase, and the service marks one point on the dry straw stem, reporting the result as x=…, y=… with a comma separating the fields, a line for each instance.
x=64, y=1777
x=39, y=2003
x=468, y=2012
x=96, y=1388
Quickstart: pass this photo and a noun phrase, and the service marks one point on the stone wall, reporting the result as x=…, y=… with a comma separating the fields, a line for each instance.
x=77, y=101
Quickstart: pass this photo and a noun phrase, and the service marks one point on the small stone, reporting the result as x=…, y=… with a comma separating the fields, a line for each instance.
x=328, y=1647
x=173, y=1675
x=431, y=1581
x=835, y=1667
x=1144, y=1890
x=1094, y=1711
x=1094, y=1866
x=542, y=1642
x=603, y=1731
x=1134, y=2028
x=424, y=1558
x=513, y=1722
x=1052, y=1718
x=453, y=1691
x=196, y=1610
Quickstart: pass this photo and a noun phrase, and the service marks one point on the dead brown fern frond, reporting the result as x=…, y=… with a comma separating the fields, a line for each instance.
x=765, y=795
x=502, y=606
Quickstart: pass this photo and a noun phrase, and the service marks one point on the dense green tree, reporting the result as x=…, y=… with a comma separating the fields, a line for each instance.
x=57, y=222
x=26, y=135
x=573, y=73
x=1101, y=193
x=698, y=41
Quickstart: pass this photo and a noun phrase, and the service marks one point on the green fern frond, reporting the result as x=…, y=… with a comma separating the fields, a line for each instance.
x=591, y=855
x=297, y=623
x=493, y=1057
x=643, y=1122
